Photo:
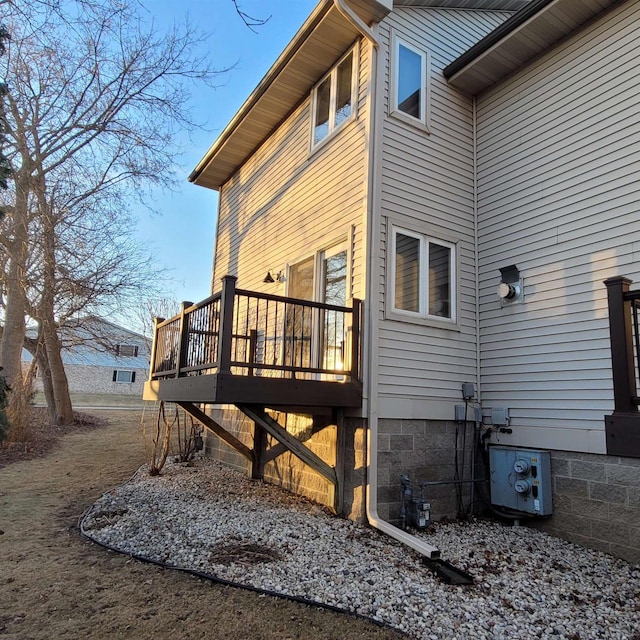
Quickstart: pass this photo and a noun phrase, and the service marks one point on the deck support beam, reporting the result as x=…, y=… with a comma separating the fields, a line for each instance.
x=341, y=458
x=221, y=432
x=258, y=415
x=259, y=446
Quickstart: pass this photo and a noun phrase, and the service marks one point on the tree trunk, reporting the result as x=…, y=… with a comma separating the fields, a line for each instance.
x=14, y=328
x=16, y=305
x=62, y=409
x=45, y=375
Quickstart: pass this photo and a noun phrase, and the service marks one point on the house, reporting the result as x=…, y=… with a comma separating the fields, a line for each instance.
x=101, y=357
x=436, y=191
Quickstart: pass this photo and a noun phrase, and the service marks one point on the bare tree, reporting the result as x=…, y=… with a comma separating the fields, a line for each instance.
x=94, y=100
x=250, y=21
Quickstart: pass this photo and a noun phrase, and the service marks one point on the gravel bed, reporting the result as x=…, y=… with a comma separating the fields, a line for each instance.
x=527, y=584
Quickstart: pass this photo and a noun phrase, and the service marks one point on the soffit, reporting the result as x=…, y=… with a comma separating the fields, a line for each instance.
x=527, y=34
x=496, y=5
x=317, y=46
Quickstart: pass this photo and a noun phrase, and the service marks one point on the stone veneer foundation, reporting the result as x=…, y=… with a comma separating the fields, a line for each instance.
x=596, y=502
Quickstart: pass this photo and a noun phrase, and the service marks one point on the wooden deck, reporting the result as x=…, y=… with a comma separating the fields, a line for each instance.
x=240, y=346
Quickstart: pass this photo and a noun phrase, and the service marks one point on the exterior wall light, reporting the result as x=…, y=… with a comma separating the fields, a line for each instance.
x=510, y=287
x=269, y=278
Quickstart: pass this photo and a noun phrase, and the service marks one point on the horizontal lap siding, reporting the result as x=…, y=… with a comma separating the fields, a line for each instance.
x=559, y=196
x=286, y=203
x=427, y=185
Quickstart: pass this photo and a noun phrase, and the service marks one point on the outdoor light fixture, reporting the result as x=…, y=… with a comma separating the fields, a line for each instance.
x=269, y=278
x=510, y=287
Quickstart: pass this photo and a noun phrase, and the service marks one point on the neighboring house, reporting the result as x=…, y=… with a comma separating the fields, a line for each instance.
x=420, y=156
x=100, y=357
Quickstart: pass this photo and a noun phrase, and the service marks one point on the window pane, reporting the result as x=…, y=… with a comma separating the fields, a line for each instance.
x=343, y=101
x=409, y=81
x=335, y=292
x=439, y=280
x=407, y=273
x=323, y=98
x=298, y=320
x=335, y=279
x=301, y=280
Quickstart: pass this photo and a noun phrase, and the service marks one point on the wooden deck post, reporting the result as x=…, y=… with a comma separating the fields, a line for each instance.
x=227, y=302
x=259, y=447
x=355, y=338
x=624, y=379
x=253, y=345
x=154, y=347
x=341, y=462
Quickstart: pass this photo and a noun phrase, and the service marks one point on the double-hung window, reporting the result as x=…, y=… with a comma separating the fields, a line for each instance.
x=409, y=87
x=422, y=282
x=333, y=99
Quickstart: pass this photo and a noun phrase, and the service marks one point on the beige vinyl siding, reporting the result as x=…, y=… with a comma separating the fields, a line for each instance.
x=287, y=202
x=558, y=167
x=427, y=186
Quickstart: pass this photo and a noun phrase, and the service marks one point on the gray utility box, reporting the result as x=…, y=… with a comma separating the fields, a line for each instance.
x=521, y=480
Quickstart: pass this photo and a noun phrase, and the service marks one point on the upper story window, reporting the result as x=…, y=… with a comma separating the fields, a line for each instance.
x=409, y=87
x=127, y=350
x=423, y=276
x=333, y=98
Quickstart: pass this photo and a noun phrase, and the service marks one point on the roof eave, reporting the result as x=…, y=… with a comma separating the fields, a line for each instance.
x=280, y=91
x=519, y=40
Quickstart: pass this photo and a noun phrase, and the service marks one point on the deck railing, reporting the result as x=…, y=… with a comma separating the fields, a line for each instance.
x=624, y=310
x=256, y=334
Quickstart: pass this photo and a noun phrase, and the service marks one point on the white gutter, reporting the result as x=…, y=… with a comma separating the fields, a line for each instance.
x=374, y=168
x=357, y=22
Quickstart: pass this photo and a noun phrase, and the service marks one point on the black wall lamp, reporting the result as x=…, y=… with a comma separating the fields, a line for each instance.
x=269, y=277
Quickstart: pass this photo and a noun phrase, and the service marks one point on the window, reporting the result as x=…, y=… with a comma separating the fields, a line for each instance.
x=409, y=97
x=423, y=275
x=127, y=350
x=318, y=338
x=333, y=99
x=124, y=376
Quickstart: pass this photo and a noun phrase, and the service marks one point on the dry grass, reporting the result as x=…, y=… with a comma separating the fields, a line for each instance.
x=53, y=584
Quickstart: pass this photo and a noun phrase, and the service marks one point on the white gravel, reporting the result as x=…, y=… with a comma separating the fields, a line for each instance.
x=527, y=584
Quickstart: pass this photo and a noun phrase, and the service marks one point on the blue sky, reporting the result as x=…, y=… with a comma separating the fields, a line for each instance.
x=182, y=234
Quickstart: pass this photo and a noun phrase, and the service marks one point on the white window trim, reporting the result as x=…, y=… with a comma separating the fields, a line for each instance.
x=422, y=316
x=333, y=73
x=424, y=122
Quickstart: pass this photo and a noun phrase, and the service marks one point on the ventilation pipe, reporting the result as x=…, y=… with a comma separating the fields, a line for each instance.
x=372, y=294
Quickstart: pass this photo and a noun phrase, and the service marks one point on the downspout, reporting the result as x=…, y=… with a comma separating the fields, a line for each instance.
x=474, y=106
x=372, y=293
x=477, y=423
